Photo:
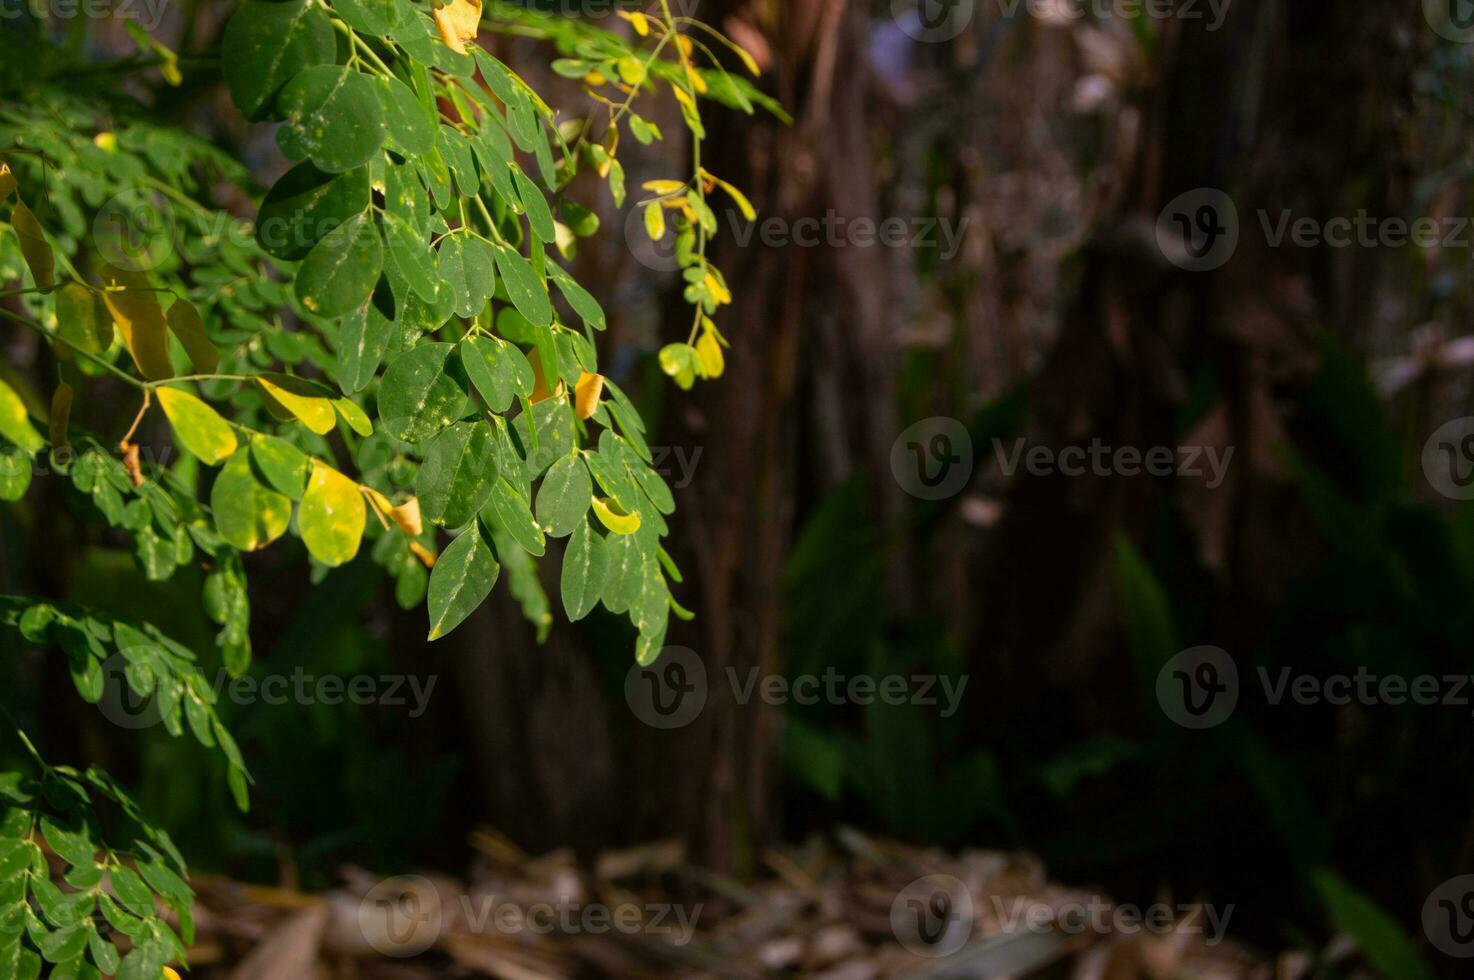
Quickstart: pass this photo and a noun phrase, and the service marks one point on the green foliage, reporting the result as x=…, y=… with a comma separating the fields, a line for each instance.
x=388, y=351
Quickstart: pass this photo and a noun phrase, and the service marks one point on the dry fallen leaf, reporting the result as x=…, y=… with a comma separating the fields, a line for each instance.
x=459, y=21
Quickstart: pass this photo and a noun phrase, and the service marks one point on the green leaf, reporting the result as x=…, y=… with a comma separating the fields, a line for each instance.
x=466, y=269
x=539, y=215
x=498, y=369
x=197, y=426
x=333, y=117
x=104, y=953
x=564, y=497
x=267, y=44
x=282, y=464
x=509, y=510
x=15, y=424
x=681, y=362
x=456, y=476
x=15, y=474
x=73, y=844
x=339, y=274
x=461, y=580
x=524, y=288
x=410, y=255
x=585, y=563
x=248, y=514
x=143, y=963
x=306, y=205
x=291, y=397
x=371, y=16
x=1386, y=946
x=363, y=338
x=332, y=516
x=411, y=129
x=423, y=391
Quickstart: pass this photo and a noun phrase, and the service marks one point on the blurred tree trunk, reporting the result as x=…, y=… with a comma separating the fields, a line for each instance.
x=1290, y=105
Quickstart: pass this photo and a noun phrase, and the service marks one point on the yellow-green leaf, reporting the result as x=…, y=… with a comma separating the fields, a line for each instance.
x=185, y=322
x=82, y=319
x=7, y=181
x=356, y=417
x=615, y=519
x=332, y=516
x=300, y=399
x=248, y=514
x=61, y=414
x=15, y=425
x=709, y=353
x=33, y=245
x=197, y=426
x=135, y=309
x=655, y=221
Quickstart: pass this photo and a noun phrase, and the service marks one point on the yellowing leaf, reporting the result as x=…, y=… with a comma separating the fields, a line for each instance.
x=709, y=353
x=82, y=318
x=663, y=187
x=356, y=417
x=15, y=424
x=613, y=518
x=135, y=309
x=332, y=516
x=33, y=245
x=743, y=204
x=185, y=322
x=7, y=181
x=61, y=413
x=458, y=21
x=586, y=394
x=655, y=221
x=300, y=399
x=197, y=426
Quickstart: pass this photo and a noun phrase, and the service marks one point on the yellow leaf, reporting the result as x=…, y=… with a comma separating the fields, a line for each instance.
x=61, y=413
x=15, y=424
x=638, y=21
x=169, y=974
x=33, y=245
x=743, y=204
x=331, y=516
x=197, y=426
x=7, y=181
x=106, y=141
x=135, y=309
x=459, y=21
x=663, y=187
x=709, y=353
x=586, y=394
x=540, y=389
x=300, y=399
x=185, y=322
x=615, y=519
x=407, y=516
